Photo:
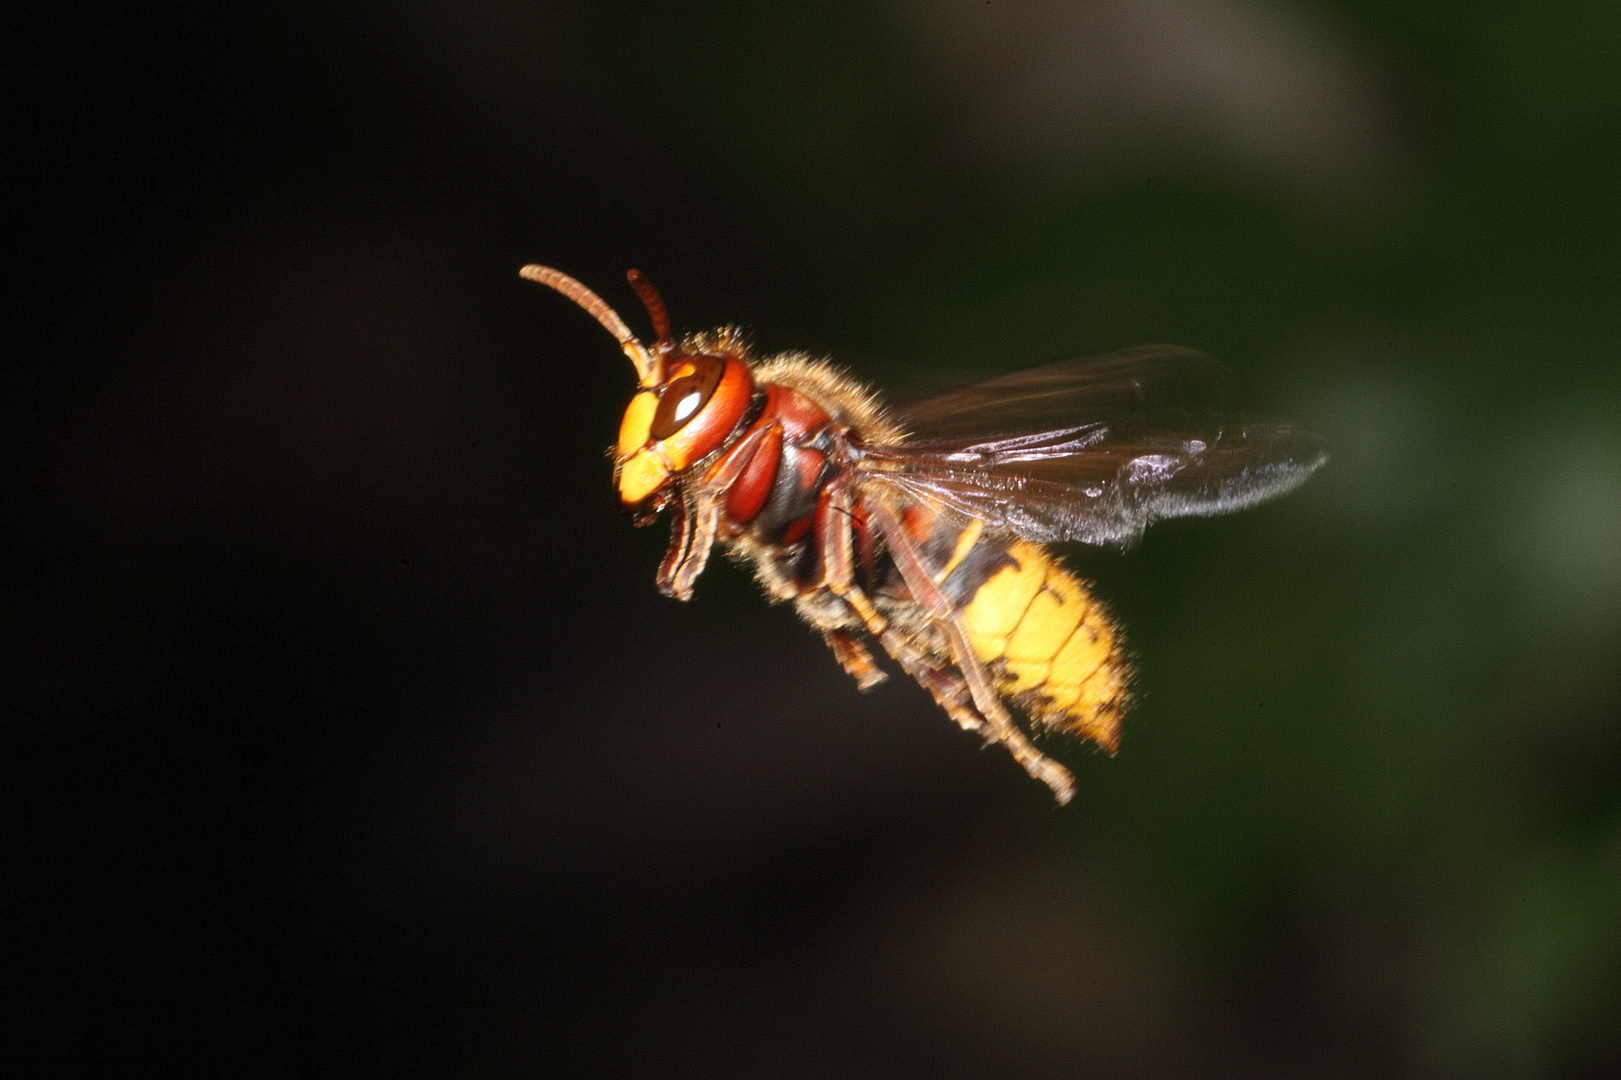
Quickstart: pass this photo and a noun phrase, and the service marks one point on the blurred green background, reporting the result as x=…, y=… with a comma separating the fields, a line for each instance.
x=350, y=735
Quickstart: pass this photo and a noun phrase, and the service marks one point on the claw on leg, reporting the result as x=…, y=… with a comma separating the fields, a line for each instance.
x=855, y=658
x=909, y=561
x=946, y=687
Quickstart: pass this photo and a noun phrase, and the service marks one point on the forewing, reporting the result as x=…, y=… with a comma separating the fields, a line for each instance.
x=1105, y=480
x=1069, y=392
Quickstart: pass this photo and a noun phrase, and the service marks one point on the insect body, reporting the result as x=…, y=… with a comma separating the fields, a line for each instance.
x=924, y=529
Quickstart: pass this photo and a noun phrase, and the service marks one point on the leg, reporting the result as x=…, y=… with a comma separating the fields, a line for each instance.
x=697, y=517
x=705, y=524
x=913, y=570
x=945, y=686
x=835, y=538
x=855, y=658
x=680, y=544
x=835, y=541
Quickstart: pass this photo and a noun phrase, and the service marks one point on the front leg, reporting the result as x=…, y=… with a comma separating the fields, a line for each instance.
x=701, y=524
x=696, y=520
x=680, y=544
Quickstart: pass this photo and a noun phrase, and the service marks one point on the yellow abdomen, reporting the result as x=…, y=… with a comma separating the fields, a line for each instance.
x=1052, y=647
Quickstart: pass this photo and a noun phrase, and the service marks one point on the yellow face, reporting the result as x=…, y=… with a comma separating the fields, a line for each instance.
x=639, y=465
x=670, y=426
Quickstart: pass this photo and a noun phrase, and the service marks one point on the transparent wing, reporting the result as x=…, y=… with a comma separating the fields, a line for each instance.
x=1101, y=481
x=1069, y=392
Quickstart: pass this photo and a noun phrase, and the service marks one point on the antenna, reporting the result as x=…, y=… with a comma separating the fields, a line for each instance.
x=654, y=303
x=648, y=368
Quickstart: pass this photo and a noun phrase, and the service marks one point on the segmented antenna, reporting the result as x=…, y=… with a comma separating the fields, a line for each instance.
x=654, y=303
x=647, y=366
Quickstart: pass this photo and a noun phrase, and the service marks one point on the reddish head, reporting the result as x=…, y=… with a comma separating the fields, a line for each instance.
x=693, y=395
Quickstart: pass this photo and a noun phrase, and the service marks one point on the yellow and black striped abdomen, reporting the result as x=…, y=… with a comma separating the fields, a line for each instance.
x=1051, y=645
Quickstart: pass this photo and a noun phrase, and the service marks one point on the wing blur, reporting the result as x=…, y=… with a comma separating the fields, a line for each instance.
x=1069, y=392
x=1092, y=450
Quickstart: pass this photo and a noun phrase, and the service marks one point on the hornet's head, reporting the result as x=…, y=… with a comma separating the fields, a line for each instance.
x=693, y=395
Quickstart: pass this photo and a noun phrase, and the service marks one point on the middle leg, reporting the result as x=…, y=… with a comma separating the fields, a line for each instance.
x=855, y=658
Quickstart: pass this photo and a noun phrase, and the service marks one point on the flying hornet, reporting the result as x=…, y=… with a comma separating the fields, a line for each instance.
x=926, y=528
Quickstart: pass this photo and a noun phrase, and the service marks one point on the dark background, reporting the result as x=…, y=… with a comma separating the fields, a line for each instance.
x=349, y=735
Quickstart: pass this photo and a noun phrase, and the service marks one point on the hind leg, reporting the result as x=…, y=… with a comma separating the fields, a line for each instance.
x=909, y=561
x=947, y=688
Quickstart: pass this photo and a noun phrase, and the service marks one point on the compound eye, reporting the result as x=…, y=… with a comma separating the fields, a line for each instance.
x=694, y=378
